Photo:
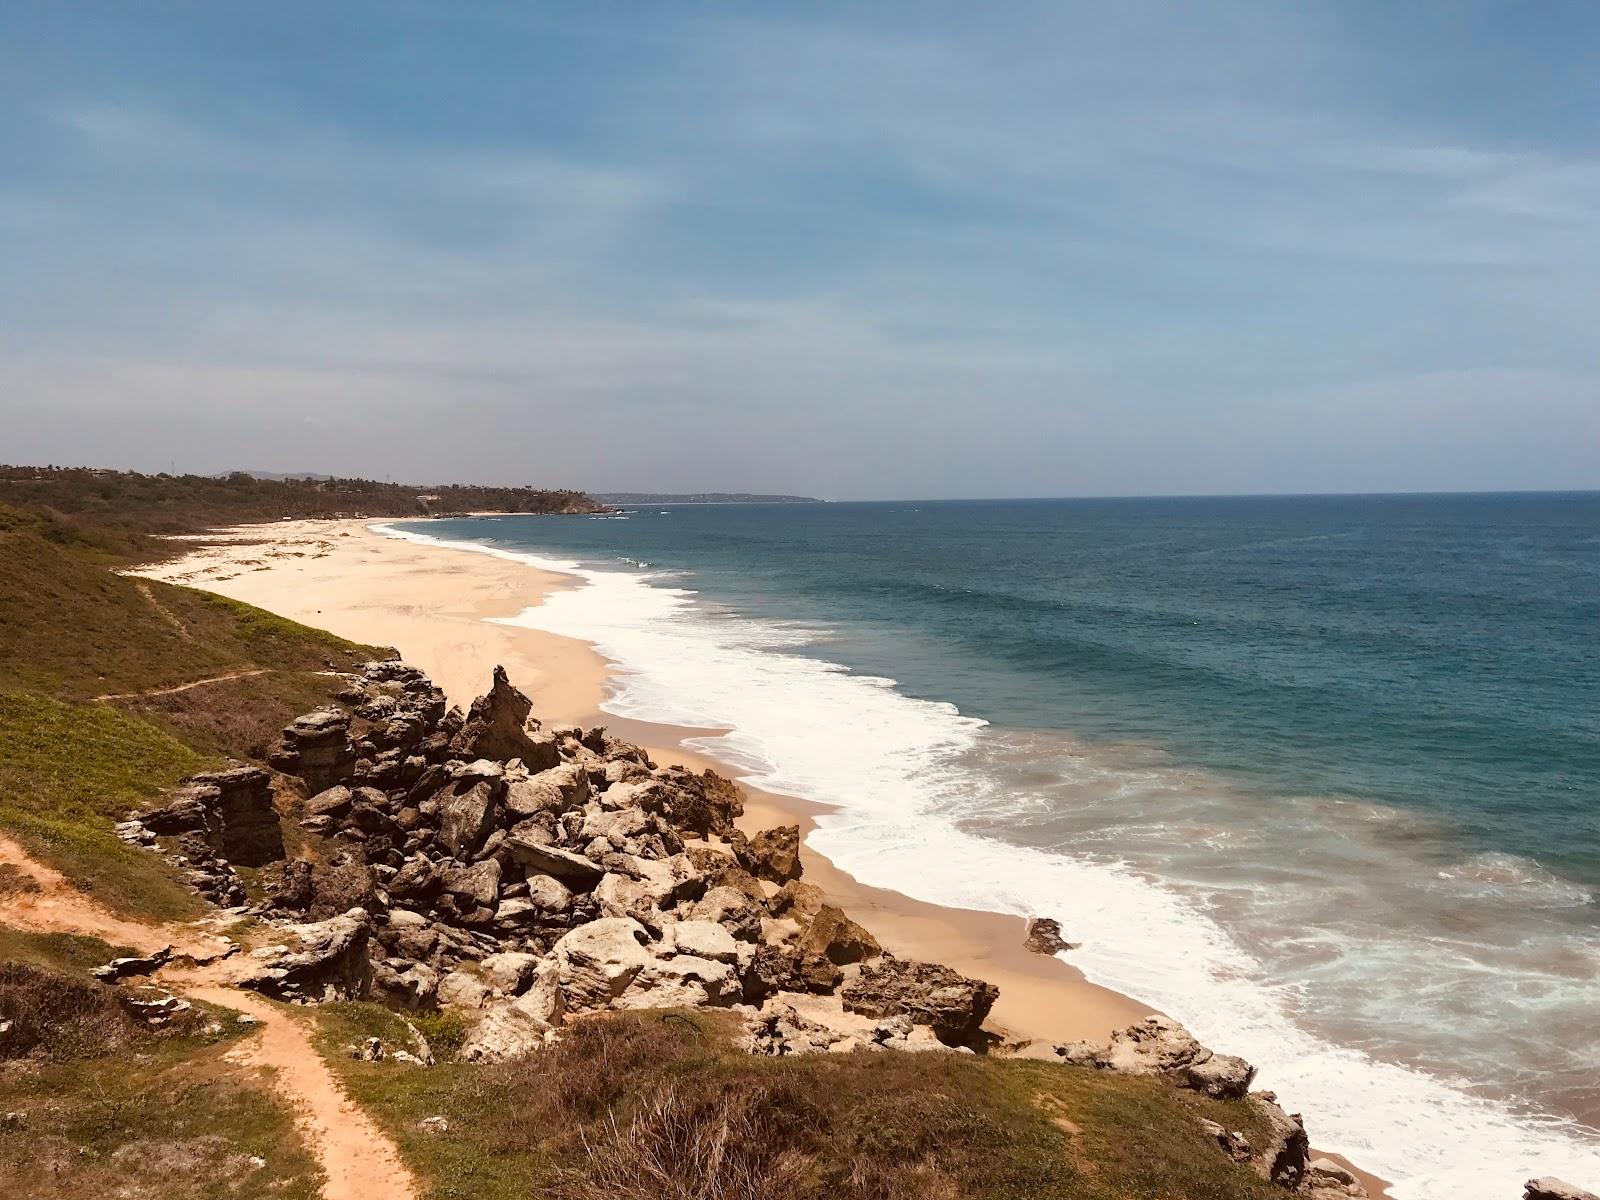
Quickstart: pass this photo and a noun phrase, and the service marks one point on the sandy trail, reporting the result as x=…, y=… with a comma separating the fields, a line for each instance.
x=358, y=1159
x=184, y=687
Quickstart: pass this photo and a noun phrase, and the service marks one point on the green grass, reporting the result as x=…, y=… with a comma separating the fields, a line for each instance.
x=168, y=1121
x=570, y=1122
x=68, y=772
x=69, y=953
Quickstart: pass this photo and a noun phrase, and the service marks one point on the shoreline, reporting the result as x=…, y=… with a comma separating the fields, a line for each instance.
x=438, y=607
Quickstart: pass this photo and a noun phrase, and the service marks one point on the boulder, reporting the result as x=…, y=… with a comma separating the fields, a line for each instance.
x=837, y=938
x=703, y=939
x=321, y=960
x=596, y=963
x=732, y=909
x=1327, y=1180
x=497, y=727
x=477, y=886
x=317, y=748
x=468, y=810
x=1044, y=936
x=574, y=870
x=1160, y=1046
x=557, y=790
x=1548, y=1187
x=683, y=981
x=774, y=854
x=463, y=989
x=799, y=900
x=503, y=1033
x=231, y=810
x=925, y=993
x=1283, y=1158
x=511, y=971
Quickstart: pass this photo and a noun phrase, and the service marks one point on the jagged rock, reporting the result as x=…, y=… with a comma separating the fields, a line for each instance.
x=597, y=962
x=773, y=969
x=774, y=854
x=231, y=810
x=1160, y=1046
x=733, y=909
x=1327, y=1180
x=322, y=960
x=837, y=938
x=416, y=882
x=1548, y=1187
x=799, y=900
x=405, y=984
x=557, y=790
x=927, y=993
x=468, y=810
x=574, y=870
x=477, y=885
x=548, y=895
x=683, y=981
x=317, y=748
x=333, y=803
x=779, y=1031
x=1044, y=936
x=497, y=728
x=1283, y=1157
x=503, y=1033
x=1230, y=1141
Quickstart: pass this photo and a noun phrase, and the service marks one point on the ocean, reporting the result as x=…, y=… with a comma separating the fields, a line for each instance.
x=1319, y=776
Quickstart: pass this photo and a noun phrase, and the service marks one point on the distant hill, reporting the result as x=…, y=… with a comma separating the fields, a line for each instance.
x=700, y=498
x=279, y=476
x=133, y=504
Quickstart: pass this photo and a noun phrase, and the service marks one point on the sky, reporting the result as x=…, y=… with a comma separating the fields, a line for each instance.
x=843, y=250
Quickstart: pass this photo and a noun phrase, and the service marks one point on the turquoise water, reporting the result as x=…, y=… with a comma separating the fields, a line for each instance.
x=1321, y=776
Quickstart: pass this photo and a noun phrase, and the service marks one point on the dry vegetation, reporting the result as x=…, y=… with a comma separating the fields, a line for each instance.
x=661, y=1106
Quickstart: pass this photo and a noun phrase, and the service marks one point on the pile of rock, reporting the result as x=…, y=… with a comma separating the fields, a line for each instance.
x=529, y=875
x=219, y=819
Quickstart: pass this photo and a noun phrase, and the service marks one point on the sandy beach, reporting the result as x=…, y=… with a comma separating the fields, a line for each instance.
x=433, y=604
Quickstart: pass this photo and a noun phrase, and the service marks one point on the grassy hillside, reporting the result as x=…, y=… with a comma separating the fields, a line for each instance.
x=114, y=688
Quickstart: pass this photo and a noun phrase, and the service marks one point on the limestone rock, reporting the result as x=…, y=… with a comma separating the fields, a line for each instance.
x=322, y=960
x=837, y=938
x=775, y=854
x=497, y=727
x=1160, y=1046
x=926, y=993
x=574, y=870
x=503, y=1033
x=511, y=971
x=468, y=810
x=732, y=909
x=704, y=939
x=597, y=962
x=463, y=989
x=1327, y=1180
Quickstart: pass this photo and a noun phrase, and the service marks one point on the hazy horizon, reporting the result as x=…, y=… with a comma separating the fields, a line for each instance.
x=906, y=252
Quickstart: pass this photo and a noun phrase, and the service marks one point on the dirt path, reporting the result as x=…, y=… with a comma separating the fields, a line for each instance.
x=184, y=687
x=58, y=907
x=360, y=1161
x=162, y=611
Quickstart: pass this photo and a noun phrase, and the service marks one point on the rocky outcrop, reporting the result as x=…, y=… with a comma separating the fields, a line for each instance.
x=498, y=727
x=317, y=748
x=774, y=854
x=323, y=960
x=930, y=994
x=231, y=811
x=1044, y=937
x=1160, y=1046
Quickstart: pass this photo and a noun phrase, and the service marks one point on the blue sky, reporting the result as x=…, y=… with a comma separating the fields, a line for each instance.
x=847, y=250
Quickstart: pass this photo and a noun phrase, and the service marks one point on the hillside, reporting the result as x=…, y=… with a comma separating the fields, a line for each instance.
x=700, y=498
x=123, y=503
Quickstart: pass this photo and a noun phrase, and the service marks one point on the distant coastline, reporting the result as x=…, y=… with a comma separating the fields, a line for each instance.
x=700, y=498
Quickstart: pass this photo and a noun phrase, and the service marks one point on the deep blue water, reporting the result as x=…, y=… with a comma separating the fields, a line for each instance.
x=1439, y=653
x=1318, y=775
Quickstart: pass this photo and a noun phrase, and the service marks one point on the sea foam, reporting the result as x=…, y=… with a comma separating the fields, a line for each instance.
x=894, y=767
